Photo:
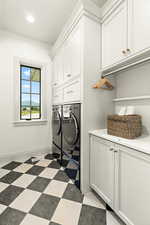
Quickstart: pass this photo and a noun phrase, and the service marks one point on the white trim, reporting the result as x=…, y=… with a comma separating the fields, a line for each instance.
x=16, y=90
x=30, y=123
x=83, y=8
x=109, y=7
x=136, y=58
x=68, y=82
x=140, y=144
x=131, y=98
x=25, y=154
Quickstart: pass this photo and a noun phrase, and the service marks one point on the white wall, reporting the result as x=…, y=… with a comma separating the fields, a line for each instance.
x=20, y=140
x=135, y=82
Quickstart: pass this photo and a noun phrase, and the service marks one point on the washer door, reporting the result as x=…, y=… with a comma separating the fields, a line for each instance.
x=56, y=122
x=71, y=129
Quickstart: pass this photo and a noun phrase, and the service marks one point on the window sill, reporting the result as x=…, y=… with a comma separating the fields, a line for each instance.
x=30, y=122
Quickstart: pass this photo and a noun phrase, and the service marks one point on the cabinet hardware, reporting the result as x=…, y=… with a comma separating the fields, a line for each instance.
x=124, y=52
x=111, y=149
x=69, y=92
x=116, y=151
x=128, y=50
x=68, y=75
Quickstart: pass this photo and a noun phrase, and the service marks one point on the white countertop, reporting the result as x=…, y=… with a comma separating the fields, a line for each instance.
x=141, y=144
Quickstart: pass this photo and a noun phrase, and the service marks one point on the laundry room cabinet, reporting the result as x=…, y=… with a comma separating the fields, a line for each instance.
x=72, y=92
x=57, y=96
x=72, y=55
x=132, y=186
x=114, y=36
x=102, y=168
x=125, y=31
x=139, y=17
x=58, y=69
x=67, y=62
x=81, y=43
x=67, y=68
x=120, y=175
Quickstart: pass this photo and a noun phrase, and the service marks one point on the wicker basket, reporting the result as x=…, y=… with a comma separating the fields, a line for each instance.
x=129, y=126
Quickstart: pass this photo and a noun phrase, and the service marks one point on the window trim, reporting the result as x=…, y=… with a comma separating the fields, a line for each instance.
x=16, y=92
x=40, y=93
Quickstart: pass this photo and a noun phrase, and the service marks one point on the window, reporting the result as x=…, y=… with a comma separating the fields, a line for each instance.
x=30, y=93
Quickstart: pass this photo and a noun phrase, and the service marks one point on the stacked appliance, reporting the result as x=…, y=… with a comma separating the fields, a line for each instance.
x=57, y=131
x=70, y=141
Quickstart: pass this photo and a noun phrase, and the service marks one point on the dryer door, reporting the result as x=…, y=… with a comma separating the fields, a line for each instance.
x=56, y=122
x=70, y=129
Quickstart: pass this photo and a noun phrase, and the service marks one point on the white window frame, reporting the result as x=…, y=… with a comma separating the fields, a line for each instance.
x=16, y=92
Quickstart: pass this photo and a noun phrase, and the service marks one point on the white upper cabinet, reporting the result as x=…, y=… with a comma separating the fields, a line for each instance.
x=125, y=31
x=76, y=52
x=67, y=60
x=139, y=22
x=72, y=59
x=55, y=71
x=58, y=68
x=114, y=36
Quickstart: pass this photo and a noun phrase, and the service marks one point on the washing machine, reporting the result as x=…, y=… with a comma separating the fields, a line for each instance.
x=57, y=131
x=71, y=116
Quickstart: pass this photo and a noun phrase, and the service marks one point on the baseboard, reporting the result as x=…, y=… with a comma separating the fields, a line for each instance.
x=20, y=156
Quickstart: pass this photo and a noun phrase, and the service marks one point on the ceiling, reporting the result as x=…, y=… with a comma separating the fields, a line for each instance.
x=50, y=16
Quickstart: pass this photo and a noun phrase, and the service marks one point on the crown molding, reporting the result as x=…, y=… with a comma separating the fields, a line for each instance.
x=83, y=8
x=109, y=7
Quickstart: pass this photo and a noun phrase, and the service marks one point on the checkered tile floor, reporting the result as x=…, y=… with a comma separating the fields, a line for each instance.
x=41, y=193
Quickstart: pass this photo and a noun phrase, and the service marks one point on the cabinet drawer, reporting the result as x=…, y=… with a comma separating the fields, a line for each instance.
x=58, y=97
x=72, y=93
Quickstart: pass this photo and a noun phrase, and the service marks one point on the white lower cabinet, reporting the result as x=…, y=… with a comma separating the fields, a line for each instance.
x=121, y=176
x=133, y=186
x=102, y=168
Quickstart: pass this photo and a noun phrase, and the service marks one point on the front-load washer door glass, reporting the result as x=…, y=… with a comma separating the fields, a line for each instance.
x=56, y=122
x=70, y=129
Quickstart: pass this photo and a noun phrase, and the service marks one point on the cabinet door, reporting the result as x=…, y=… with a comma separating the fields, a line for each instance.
x=55, y=71
x=133, y=187
x=102, y=168
x=72, y=92
x=76, y=52
x=57, y=96
x=114, y=36
x=67, y=60
x=139, y=24
x=60, y=68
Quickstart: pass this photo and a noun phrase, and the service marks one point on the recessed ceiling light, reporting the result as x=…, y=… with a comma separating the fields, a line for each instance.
x=30, y=19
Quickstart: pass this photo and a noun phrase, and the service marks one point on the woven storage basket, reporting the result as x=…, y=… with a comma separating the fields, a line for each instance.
x=129, y=126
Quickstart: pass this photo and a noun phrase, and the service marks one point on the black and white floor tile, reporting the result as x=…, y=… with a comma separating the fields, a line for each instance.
x=40, y=193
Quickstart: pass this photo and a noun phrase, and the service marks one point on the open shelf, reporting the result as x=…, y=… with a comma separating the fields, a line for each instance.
x=131, y=98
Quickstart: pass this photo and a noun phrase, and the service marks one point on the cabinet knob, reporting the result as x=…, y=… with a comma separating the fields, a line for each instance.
x=116, y=151
x=128, y=50
x=111, y=149
x=69, y=92
x=124, y=52
x=69, y=75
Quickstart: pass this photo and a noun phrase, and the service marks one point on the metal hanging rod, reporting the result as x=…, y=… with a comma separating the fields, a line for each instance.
x=126, y=67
